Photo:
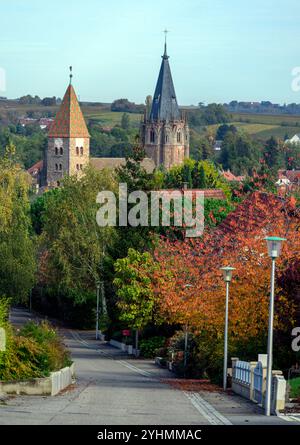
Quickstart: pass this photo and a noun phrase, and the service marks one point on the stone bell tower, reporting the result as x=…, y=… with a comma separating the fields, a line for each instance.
x=164, y=129
x=68, y=148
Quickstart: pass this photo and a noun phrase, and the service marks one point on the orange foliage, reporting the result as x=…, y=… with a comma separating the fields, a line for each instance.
x=238, y=242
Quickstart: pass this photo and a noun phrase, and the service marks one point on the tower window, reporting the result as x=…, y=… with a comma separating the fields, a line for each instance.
x=81, y=151
x=178, y=136
x=167, y=138
x=77, y=150
x=80, y=166
x=56, y=167
x=152, y=136
x=56, y=150
x=61, y=150
x=60, y=166
x=77, y=166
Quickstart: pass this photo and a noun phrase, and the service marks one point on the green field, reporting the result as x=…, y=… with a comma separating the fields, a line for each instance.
x=109, y=118
x=262, y=126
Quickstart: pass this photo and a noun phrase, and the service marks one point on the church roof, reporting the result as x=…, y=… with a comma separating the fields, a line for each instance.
x=69, y=121
x=164, y=105
x=112, y=163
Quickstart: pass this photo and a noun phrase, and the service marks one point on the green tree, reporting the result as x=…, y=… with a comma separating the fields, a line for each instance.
x=17, y=258
x=136, y=299
x=125, y=121
x=72, y=245
x=273, y=153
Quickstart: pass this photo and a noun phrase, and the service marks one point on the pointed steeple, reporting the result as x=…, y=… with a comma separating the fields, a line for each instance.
x=164, y=105
x=69, y=121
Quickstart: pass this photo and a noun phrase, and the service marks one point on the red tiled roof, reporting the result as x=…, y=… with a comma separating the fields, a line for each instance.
x=69, y=121
x=208, y=193
x=36, y=168
x=231, y=177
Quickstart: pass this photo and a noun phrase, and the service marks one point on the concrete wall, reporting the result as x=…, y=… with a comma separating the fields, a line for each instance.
x=52, y=385
x=126, y=348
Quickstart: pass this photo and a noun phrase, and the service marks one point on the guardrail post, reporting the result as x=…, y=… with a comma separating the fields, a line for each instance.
x=252, y=367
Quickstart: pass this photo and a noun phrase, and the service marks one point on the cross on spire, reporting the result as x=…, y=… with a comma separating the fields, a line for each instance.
x=71, y=75
x=166, y=33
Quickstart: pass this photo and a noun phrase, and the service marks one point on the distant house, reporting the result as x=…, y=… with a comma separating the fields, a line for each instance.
x=208, y=193
x=27, y=121
x=229, y=176
x=288, y=181
x=294, y=140
x=218, y=145
x=44, y=122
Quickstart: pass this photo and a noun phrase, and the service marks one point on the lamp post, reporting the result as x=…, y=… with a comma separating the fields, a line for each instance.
x=227, y=274
x=274, y=248
x=186, y=334
x=97, y=312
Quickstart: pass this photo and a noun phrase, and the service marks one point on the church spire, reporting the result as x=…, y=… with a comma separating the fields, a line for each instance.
x=164, y=105
x=69, y=121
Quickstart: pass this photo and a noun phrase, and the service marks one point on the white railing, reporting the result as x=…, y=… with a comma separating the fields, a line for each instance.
x=249, y=381
x=242, y=372
x=258, y=383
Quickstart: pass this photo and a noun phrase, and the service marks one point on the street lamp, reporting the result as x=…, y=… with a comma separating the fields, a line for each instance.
x=186, y=333
x=97, y=312
x=227, y=275
x=274, y=248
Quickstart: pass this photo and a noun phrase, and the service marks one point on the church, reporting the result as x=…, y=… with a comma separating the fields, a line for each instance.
x=164, y=135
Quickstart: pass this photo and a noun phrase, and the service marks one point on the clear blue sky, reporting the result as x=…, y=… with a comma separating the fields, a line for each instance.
x=220, y=49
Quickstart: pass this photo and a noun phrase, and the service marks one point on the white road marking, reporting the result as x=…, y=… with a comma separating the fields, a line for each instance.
x=290, y=418
x=207, y=410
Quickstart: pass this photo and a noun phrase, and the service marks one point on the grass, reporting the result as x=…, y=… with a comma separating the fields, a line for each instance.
x=262, y=126
x=109, y=118
x=295, y=387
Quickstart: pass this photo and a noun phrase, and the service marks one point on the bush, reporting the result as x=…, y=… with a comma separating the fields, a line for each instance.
x=35, y=351
x=150, y=346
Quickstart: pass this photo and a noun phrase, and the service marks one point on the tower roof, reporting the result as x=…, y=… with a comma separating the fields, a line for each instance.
x=69, y=121
x=164, y=105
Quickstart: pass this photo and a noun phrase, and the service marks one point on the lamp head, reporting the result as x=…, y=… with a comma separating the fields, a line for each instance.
x=274, y=244
x=227, y=273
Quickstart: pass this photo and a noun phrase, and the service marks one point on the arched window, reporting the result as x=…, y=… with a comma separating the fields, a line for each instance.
x=56, y=150
x=61, y=150
x=81, y=151
x=77, y=150
x=152, y=136
x=178, y=136
x=60, y=166
x=56, y=167
x=58, y=183
x=167, y=138
x=77, y=166
x=80, y=166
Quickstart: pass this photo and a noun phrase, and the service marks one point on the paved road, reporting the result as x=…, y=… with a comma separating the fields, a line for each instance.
x=114, y=389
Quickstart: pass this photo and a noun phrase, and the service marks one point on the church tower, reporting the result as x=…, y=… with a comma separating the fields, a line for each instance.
x=164, y=130
x=68, y=149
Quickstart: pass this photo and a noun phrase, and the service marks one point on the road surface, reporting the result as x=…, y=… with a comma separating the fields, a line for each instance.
x=112, y=389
